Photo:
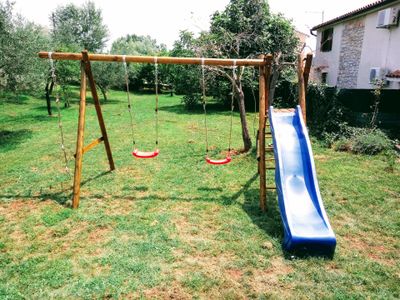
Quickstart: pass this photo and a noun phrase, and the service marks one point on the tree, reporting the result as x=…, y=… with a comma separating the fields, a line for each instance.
x=139, y=45
x=106, y=75
x=20, y=41
x=246, y=28
x=79, y=27
x=185, y=78
x=73, y=29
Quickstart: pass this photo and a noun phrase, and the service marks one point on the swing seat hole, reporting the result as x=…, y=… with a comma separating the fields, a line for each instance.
x=224, y=161
x=142, y=154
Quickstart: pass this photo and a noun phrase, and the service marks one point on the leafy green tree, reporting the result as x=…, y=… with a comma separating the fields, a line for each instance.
x=246, y=28
x=107, y=75
x=75, y=28
x=186, y=78
x=139, y=74
x=79, y=27
x=20, y=41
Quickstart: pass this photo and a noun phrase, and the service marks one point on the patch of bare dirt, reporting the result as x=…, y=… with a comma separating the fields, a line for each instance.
x=119, y=207
x=321, y=157
x=175, y=291
x=263, y=280
x=234, y=274
x=375, y=249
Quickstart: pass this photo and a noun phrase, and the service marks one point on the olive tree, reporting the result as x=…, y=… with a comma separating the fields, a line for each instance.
x=245, y=29
x=20, y=40
x=74, y=28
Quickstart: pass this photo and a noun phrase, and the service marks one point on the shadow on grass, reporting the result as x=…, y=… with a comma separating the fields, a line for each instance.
x=13, y=99
x=270, y=222
x=61, y=197
x=9, y=140
x=58, y=197
x=212, y=108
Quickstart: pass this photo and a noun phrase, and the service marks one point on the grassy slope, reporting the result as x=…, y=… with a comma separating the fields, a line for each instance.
x=174, y=226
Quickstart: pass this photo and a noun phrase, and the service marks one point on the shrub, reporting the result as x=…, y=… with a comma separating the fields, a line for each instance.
x=361, y=141
x=371, y=141
x=325, y=113
x=342, y=144
x=191, y=100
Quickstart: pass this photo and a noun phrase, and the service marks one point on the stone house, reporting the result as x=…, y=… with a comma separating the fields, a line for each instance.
x=357, y=49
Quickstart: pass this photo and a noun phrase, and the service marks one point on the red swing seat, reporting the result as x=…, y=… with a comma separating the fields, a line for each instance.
x=224, y=161
x=141, y=154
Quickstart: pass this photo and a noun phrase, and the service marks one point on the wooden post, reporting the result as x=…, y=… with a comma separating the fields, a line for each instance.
x=302, y=90
x=307, y=70
x=89, y=74
x=263, y=108
x=79, y=142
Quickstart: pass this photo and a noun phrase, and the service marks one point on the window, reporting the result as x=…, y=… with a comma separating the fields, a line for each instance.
x=326, y=40
x=324, y=77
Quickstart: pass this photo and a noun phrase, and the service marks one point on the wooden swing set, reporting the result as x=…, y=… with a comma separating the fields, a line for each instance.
x=264, y=63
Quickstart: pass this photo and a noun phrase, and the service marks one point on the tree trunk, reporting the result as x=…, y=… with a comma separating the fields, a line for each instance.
x=273, y=82
x=242, y=110
x=104, y=92
x=274, y=78
x=49, y=90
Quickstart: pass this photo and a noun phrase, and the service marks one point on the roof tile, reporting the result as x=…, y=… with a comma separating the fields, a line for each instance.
x=395, y=74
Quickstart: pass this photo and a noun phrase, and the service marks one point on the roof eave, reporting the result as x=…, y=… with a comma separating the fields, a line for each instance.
x=357, y=13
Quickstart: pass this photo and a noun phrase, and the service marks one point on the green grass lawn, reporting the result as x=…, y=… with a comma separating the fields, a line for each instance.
x=175, y=227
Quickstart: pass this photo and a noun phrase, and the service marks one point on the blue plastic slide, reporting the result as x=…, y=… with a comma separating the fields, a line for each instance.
x=306, y=225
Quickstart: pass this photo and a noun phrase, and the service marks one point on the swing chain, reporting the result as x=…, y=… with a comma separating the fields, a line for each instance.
x=129, y=100
x=156, y=87
x=60, y=125
x=232, y=104
x=255, y=119
x=203, y=87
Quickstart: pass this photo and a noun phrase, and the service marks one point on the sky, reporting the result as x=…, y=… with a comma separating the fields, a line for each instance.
x=163, y=19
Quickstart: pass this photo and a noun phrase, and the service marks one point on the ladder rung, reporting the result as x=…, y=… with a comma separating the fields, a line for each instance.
x=271, y=187
x=270, y=168
x=269, y=149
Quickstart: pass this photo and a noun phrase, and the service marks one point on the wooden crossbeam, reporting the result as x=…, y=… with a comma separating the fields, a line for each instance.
x=153, y=59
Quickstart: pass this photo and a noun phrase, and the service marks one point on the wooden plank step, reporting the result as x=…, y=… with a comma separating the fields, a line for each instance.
x=271, y=187
x=284, y=110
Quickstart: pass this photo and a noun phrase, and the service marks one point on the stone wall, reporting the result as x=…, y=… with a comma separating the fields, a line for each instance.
x=350, y=54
